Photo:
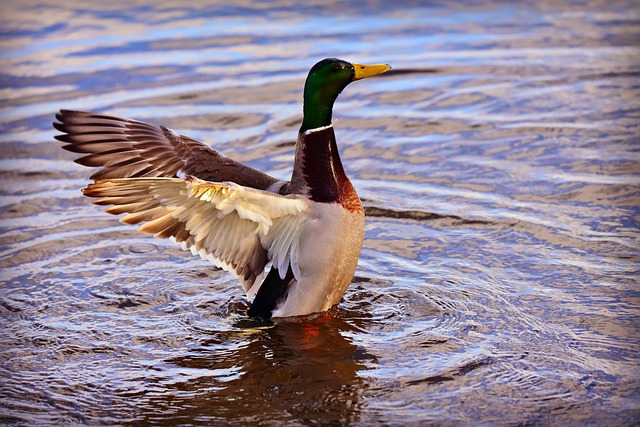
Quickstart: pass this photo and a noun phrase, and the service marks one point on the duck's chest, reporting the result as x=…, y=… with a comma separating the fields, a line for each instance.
x=328, y=253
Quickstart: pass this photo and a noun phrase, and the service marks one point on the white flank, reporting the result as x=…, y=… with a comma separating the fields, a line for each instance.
x=328, y=250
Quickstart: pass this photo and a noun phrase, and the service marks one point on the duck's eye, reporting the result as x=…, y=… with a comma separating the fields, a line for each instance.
x=337, y=67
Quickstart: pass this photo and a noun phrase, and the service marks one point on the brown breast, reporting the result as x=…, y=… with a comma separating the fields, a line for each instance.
x=318, y=171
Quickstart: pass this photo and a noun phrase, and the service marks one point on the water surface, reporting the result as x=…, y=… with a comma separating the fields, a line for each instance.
x=498, y=166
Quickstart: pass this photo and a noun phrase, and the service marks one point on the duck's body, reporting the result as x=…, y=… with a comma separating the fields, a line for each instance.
x=310, y=229
x=330, y=242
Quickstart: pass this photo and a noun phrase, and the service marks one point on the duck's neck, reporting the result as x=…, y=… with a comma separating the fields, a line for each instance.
x=317, y=108
x=318, y=171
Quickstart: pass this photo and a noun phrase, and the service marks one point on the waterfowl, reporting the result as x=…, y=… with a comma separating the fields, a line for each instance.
x=310, y=229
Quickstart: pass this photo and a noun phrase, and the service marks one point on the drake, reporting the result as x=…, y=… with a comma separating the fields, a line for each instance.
x=310, y=229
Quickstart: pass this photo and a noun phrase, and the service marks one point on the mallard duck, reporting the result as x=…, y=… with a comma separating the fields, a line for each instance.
x=310, y=229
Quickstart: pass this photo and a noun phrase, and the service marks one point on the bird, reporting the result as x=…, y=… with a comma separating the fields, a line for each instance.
x=307, y=232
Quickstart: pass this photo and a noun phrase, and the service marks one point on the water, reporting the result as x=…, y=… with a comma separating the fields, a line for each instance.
x=498, y=164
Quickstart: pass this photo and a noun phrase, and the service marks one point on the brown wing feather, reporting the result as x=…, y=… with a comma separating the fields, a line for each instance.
x=125, y=148
x=159, y=206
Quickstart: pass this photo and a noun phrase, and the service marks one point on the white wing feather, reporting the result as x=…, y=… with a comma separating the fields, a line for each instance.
x=237, y=228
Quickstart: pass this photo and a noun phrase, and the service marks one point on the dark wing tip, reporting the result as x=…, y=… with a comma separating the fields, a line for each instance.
x=63, y=117
x=59, y=126
x=64, y=112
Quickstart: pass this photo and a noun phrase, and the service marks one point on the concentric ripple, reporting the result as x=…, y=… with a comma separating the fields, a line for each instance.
x=497, y=163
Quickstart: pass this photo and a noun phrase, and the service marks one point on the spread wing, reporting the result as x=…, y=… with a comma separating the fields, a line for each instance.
x=238, y=229
x=125, y=148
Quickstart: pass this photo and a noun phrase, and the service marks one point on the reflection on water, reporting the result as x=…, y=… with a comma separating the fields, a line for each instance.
x=498, y=167
x=306, y=371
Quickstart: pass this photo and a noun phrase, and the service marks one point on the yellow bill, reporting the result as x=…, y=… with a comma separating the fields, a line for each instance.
x=363, y=71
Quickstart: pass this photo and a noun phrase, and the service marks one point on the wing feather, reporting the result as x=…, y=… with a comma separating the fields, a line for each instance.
x=124, y=148
x=238, y=229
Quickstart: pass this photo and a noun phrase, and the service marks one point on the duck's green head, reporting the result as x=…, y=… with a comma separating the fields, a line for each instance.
x=324, y=83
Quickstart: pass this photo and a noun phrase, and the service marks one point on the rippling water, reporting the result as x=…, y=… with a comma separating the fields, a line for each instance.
x=499, y=168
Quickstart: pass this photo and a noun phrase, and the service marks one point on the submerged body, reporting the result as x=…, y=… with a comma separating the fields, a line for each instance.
x=310, y=229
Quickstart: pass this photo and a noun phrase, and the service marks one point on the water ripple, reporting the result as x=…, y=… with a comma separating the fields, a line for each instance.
x=497, y=163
